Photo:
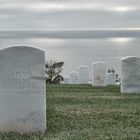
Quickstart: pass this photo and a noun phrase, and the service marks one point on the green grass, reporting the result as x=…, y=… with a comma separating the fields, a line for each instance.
x=82, y=112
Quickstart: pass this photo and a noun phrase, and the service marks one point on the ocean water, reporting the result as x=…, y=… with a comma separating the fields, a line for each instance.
x=79, y=51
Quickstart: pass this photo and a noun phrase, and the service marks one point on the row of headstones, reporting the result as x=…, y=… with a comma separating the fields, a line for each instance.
x=130, y=75
x=23, y=86
x=100, y=77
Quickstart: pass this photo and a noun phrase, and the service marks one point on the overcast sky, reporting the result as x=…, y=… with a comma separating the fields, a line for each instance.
x=77, y=32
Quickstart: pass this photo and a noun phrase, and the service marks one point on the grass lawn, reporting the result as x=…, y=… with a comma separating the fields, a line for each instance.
x=82, y=112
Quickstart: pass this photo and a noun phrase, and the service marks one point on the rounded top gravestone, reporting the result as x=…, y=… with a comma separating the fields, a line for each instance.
x=99, y=74
x=111, y=79
x=130, y=71
x=22, y=90
x=73, y=77
x=83, y=74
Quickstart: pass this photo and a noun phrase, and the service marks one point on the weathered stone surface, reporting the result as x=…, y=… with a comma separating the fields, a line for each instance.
x=22, y=90
x=83, y=74
x=130, y=70
x=99, y=74
x=111, y=79
x=73, y=77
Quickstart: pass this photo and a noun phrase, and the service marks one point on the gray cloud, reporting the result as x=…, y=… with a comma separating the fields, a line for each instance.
x=75, y=14
x=69, y=34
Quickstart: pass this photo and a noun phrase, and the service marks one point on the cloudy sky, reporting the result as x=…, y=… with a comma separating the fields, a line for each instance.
x=77, y=32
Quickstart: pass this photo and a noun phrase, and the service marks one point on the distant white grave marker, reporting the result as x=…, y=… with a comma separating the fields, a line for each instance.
x=111, y=79
x=66, y=80
x=61, y=82
x=22, y=90
x=73, y=77
x=130, y=70
x=83, y=74
x=99, y=74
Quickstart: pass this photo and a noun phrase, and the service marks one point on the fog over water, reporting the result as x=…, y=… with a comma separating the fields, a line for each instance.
x=77, y=32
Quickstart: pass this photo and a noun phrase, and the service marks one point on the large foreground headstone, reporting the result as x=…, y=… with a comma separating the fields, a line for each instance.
x=111, y=79
x=130, y=70
x=99, y=74
x=22, y=90
x=83, y=75
x=73, y=77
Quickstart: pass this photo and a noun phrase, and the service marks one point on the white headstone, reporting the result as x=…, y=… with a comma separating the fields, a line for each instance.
x=66, y=80
x=22, y=90
x=83, y=74
x=111, y=79
x=90, y=82
x=61, y=82
x=73, y=77
x=130, y=70
x=99, y=74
